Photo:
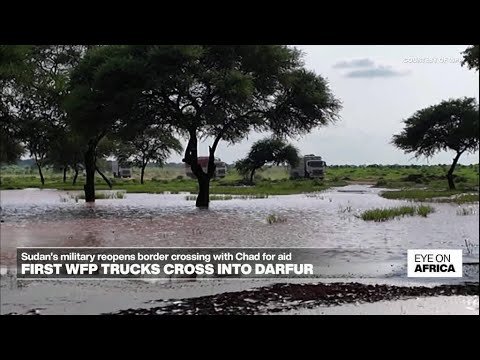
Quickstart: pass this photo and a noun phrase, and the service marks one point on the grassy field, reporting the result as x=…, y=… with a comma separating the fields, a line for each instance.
x=456, y=196
x=223, y=186
x=426, y=181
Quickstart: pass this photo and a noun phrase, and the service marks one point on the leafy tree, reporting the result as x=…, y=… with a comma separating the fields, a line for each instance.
x=471, y=57
x=10, y=147
x=100, y=94
x=148, y=144
x=267, y=151
x=450, y=125
x=216, y=92
x=38, y=137
x=64, y=152
x=37, y=85
x=12, y=69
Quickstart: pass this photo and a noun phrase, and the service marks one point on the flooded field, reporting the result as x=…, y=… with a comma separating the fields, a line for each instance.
x=353, y=247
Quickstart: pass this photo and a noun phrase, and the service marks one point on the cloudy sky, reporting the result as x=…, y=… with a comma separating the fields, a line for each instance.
x=379, y=86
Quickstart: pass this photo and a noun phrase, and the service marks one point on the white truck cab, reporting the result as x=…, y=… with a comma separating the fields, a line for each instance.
x=309, y=166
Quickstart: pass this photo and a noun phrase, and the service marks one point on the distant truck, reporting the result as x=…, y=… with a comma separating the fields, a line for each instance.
x=121, y=170
x=220, y=167
x=309, y=166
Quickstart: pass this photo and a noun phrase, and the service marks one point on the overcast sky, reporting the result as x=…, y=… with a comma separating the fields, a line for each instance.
x=379, y=86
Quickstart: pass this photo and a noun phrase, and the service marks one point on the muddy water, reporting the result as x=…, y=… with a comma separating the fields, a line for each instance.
x=326, y=220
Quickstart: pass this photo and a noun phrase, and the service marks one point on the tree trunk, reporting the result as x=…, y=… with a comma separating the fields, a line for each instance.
x=203, y=198
x=65, y=174
x=252, y=175
x=75, y=175
x=451, y=184
x=203, y=179
x=89, y=186
x=42, y=179
x=142, y=173
x=104, y=177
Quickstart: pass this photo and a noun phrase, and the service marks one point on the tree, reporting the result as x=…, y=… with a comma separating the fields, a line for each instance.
x=450, y=125
x=100, y=94
x=34, y=93
x=267, y=151
x=471, y=57
x=38, y=136
x=13, y=69
x=148, y=144
x=64, y=152
x=223, y=93
x=203, y=91
x=10, y=147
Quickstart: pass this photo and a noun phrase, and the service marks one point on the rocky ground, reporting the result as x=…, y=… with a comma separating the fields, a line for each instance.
x=280, y=298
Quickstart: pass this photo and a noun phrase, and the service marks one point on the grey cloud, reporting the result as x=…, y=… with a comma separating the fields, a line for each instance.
x=345, y=64
x=379, y=71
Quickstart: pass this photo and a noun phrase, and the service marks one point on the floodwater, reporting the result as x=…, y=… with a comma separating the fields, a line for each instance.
x=355, y=248
x=326, y=220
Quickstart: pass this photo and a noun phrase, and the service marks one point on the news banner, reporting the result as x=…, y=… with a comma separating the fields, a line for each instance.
x=165, y=263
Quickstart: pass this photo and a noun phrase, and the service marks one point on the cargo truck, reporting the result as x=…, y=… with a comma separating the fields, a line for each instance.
x=310, y=166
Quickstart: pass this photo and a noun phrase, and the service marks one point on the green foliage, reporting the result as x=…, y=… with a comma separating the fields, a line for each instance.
x=201, y=90
x=148, y=144
x=471, y=57
x=450, y=125
x=34, y=86
x=267, y=151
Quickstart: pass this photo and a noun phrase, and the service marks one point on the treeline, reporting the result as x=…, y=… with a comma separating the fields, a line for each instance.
x=70, y=105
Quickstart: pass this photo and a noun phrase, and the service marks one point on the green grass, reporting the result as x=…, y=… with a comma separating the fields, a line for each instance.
x=271, y=180
x=453, y=196
x=467, y=198
x=424, y=210
x=264, y=187
x=390, y=213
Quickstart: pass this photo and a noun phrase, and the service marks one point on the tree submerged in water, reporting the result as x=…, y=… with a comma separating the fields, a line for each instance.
x=202, y=91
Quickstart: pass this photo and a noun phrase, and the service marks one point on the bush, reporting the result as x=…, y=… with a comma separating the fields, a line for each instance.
x=381, y=183
x=417, y=178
